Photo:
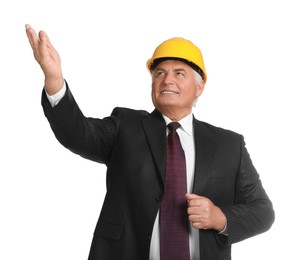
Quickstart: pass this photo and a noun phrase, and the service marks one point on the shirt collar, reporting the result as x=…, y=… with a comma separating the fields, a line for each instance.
x=186, y=123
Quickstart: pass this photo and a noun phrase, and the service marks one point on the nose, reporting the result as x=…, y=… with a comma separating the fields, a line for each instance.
x=168, y=79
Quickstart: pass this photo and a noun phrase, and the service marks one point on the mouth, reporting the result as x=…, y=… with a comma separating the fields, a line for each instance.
x=169, y=92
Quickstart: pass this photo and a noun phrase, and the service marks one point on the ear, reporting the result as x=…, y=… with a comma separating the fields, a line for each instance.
x=200, y=88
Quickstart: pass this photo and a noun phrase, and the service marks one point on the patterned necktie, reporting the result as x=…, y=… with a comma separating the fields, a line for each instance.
x=174, y=234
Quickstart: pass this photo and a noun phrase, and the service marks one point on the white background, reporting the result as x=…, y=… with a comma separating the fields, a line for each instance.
x=50, y=198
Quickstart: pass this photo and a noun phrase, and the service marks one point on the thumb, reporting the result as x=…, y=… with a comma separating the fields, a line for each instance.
x=190, y=196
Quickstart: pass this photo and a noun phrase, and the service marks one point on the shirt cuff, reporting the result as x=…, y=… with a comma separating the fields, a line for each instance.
x=54, y=99
x=224, y=231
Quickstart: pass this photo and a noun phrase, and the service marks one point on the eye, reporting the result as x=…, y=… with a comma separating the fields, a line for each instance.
x=159, y=73
x=180, y=74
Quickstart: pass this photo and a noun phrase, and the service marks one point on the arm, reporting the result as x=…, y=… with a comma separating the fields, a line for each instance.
x=252, y=212
x=88, y=137
x=91, y=138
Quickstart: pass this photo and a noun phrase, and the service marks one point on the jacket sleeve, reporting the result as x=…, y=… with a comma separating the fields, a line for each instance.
x=252, y=212
x=88, y=137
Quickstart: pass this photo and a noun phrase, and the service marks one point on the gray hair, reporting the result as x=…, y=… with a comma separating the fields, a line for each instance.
x=198, y=80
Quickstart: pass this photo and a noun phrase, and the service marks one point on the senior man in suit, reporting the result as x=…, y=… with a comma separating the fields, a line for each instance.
x=177, y=188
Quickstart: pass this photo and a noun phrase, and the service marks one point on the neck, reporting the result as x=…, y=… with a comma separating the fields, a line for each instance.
x=175, y=115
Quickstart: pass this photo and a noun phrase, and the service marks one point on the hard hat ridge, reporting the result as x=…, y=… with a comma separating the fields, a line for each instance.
x=191, y=64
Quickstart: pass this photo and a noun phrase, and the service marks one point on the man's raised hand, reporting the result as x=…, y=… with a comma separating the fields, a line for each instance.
x=48, y=58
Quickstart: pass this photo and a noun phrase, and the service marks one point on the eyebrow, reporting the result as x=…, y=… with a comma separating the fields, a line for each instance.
x=179, y=69
x=175, y=70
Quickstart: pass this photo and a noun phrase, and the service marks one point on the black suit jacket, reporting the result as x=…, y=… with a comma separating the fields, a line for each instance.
x=132, y=144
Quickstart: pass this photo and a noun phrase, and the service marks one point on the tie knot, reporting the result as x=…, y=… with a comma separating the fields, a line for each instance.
x=173, y=126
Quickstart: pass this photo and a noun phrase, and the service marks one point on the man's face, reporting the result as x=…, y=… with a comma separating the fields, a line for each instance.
x=174, y=88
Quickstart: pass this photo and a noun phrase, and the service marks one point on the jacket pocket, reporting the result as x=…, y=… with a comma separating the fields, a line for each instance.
x=108, y=230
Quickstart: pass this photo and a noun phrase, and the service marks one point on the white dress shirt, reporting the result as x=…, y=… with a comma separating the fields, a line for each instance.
x=54, y=99
x=185, y=133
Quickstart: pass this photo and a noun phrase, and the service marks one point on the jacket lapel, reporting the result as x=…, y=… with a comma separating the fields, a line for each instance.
x=204, y=151
x=155, y=127
x=155, y=131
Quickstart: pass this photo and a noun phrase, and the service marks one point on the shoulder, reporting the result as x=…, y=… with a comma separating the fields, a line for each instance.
x=125, y=117
x=204, y=128
x=123, y=112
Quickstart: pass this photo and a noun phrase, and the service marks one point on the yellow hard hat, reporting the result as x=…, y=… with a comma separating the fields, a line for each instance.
x=179, y=48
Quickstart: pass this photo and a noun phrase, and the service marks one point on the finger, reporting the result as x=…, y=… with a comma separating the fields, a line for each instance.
x=190, y=196
x=46, y=49
x=195, y=203
x=195, y=200
x=43, y=41
x=46, y=40
x=43, y=37
x=193, y=217
x=198, y=211
x=199, y=225
x=197, y=222
x=32, y=37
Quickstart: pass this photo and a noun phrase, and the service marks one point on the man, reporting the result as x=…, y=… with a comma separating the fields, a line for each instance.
x=160, y=177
